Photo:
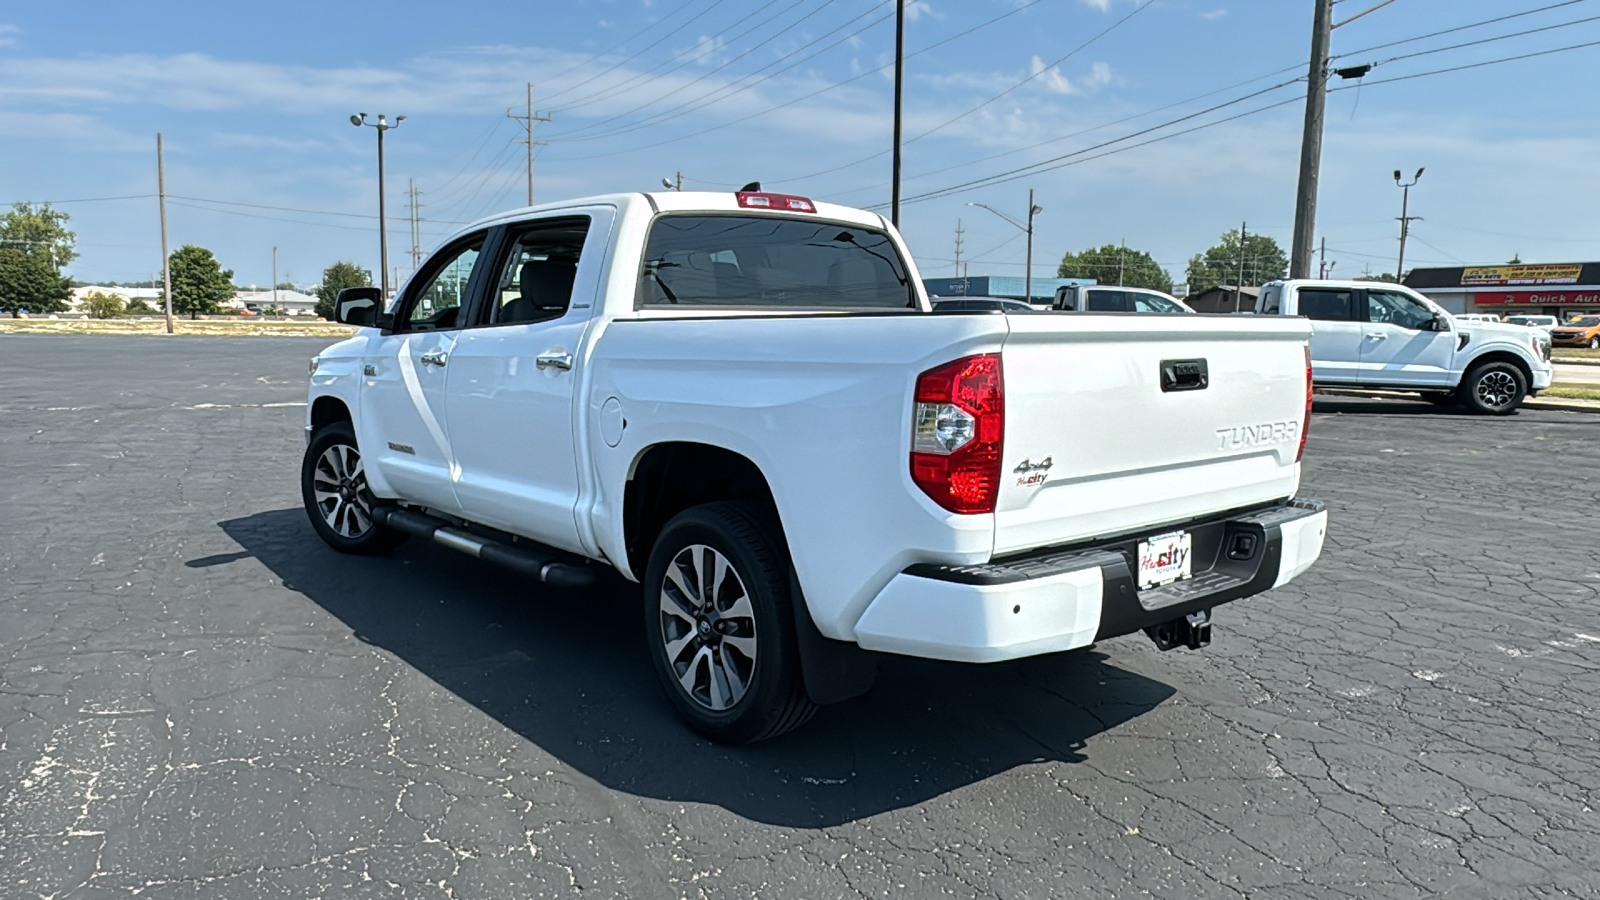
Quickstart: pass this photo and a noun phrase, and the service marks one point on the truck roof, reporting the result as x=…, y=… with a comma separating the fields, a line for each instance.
x=681, y=201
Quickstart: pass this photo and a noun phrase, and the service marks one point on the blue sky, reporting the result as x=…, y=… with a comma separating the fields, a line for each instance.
x=254, y=103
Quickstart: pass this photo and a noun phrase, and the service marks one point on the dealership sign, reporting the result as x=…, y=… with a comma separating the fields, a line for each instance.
x=1485, y=276
x=1536, y=298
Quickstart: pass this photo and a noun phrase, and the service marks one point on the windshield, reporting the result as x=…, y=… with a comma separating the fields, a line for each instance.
x=1521, y=320
x=765, y=262
x=1585, y=322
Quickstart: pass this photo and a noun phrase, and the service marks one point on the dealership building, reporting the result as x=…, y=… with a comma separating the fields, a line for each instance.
x=1562, y=290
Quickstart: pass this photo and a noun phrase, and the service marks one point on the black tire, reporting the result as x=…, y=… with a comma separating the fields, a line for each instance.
x=704, y=652
x=333, y=487
x=1594, y=343
x=1493, y=389
x=1440, y=398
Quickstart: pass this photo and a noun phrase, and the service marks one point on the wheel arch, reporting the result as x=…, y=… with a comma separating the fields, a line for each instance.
x=670, y=477
x=328, y=410
x=1505, y=356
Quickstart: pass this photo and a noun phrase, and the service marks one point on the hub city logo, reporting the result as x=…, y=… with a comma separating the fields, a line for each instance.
x=1245, y=437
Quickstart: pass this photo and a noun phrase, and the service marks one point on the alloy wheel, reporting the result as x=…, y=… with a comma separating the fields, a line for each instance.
x=708, y=627
x=339, y=485
x=1497, y=389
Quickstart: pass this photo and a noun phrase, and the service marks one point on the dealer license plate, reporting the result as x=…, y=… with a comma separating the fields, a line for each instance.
x=1164, y=559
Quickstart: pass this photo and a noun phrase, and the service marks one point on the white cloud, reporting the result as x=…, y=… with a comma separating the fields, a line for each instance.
x=1056, y=83
x=916, y=9
x=705, y=48
x=8, y=35
x=1214, y=14
x=1102, y=5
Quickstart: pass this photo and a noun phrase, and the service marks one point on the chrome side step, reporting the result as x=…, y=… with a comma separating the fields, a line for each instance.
x=545, y=564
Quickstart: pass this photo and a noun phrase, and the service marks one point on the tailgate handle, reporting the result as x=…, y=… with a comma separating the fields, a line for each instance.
x=1184, y=375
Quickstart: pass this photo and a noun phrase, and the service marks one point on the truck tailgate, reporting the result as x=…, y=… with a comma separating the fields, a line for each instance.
x=1096, y=446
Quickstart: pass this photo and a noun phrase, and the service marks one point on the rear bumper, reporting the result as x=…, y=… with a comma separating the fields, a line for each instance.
x=1062, y=599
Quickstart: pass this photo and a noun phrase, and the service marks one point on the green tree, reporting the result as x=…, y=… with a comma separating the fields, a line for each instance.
x=199, y=283
x=1264, y=261
x=29, y=282
x=1384, y=276
x=105, y=306
x=39, y=230
x=137, y=307
x=1108, y=263
x=336, y=278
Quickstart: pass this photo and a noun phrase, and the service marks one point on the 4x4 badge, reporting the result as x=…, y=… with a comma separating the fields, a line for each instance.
x=1028, y=465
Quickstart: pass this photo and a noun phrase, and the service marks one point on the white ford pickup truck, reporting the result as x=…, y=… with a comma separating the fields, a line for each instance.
x=744, y=402
x=1377, y=335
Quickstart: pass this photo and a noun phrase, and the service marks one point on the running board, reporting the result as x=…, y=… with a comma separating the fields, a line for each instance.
x=544, y=564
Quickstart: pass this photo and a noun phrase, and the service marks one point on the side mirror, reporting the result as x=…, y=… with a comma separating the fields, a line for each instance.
x=358, y=306
x=1439, y=323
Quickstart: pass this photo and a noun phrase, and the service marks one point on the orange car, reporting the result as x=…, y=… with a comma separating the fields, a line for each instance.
x=1583, y=331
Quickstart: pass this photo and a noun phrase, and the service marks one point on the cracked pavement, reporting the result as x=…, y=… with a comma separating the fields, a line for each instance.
x=199, y=699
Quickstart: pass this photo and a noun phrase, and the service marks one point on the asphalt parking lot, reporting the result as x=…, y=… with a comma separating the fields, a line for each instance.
x=198, y=699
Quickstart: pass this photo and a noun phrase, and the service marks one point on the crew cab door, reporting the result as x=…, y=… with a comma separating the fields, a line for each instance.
x=1336, y=332
x=404, y=423
x=1399, y=345
x=514, y=376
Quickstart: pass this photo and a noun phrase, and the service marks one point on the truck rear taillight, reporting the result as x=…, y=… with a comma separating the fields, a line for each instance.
x=1305, y=424
x=957, y=424
x=769, y=200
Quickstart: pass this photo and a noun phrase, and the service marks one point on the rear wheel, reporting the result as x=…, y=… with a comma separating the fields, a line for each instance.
x=333, y=486
x=1594, y=343
x=1493, y=388
x=719, y=623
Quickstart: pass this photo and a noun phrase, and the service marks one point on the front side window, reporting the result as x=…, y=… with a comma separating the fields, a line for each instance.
x=435, y=304
x=1397, y=309
x=764, y=262
x=1325, y=305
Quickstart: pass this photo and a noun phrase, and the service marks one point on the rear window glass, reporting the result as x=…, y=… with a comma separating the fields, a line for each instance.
x=764, y=262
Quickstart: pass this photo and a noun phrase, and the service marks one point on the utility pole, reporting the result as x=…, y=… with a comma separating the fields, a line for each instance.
x=1032, y=211
x=529, y=122
x=274, y=277
x=1122, y=262
x=1322, y=262
x=899, y=84
x=416, y=222
x=1305, y=202
x=1238, y=287
x=382, y=125
x=166, y=260
x=1405, y=220
x=960, y=235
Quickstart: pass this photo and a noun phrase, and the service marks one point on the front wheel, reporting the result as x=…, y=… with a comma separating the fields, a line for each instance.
x=1494, y=388
x=719, y=623
x=333, y=486
x=1594, y=343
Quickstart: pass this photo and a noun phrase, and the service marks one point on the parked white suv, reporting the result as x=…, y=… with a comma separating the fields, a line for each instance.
x=744, y=402
x=1379, y=335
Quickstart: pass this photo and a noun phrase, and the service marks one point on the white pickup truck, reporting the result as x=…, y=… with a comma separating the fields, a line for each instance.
x=1377, y=335
x=744, y=402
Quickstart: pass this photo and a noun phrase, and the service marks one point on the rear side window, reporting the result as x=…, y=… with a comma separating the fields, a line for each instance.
x=764, y=262
x=1105, y=301
x=1326, y=305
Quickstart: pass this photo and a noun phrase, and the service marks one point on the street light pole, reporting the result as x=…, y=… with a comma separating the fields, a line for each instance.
x=1405, y=220
x=382, y=125
x=1028, y=228
x=899, y=79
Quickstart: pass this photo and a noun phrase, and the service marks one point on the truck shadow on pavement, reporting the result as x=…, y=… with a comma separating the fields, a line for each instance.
x=568, y=672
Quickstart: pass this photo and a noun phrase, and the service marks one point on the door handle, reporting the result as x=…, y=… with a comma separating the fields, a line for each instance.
x=435, y=358
x=1378, y=336
x=554, y=359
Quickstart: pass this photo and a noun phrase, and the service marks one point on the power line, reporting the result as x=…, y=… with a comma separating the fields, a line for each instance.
x=565, y=72
x=704, y=75
x=1487, y=40
x=823, y=90
x=1476, y=65
x=656, y=43
x=609, y=91
x=1434, y=34
x=690, y=106
x=84, y=200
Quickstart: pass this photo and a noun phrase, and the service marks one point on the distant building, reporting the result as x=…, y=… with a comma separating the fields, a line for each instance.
x=1009, y=286
x=1551, y=289
x=292, y=303
x=1224, y=298
x=80, y=295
